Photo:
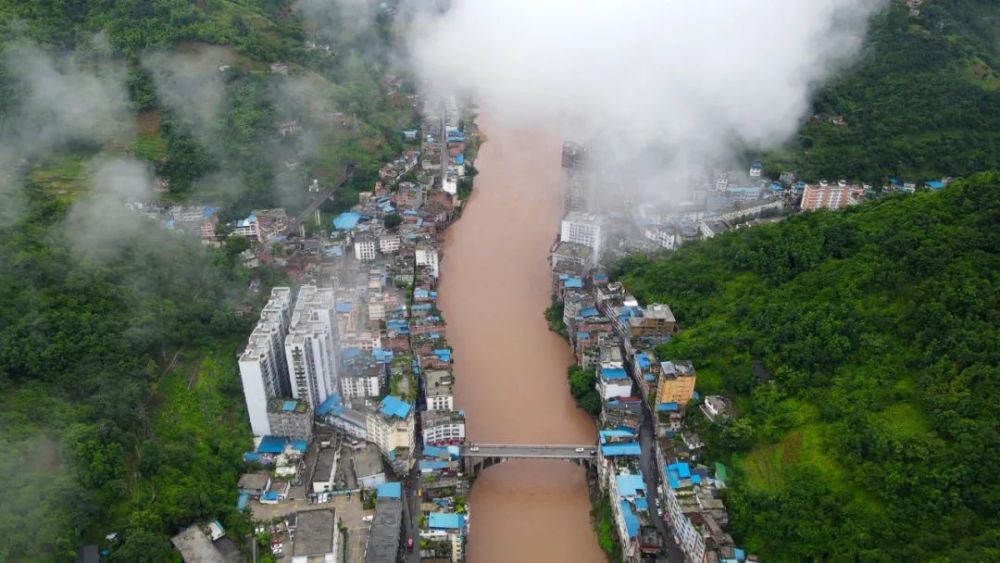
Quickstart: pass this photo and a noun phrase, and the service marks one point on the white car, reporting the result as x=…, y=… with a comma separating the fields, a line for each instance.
x=367, y=518
x=474, y=449
x=580, y=450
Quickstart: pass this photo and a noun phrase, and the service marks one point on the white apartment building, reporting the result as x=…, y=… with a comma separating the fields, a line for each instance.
x=439, y=390
x=364, y=249
x=360, y=386
x=662, y=236
x=311, y=346
x=442, y=427
x=392, y=426
x=387, y=244
x=586, y=229
x=263, y=369
x=428, y=256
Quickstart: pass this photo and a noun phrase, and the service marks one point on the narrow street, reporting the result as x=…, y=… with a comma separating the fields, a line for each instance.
x=651, y=474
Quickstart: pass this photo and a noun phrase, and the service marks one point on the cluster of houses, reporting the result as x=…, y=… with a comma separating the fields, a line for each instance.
x=616, y=337
x=718, y=202
x=360, y=350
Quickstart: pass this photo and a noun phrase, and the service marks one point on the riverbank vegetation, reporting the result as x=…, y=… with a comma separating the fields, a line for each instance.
x=604, y=524
x=861, y=350
x=554, y=316
x=581, y=386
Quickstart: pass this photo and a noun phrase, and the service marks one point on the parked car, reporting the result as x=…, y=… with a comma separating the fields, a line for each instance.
x=367, y=518
x=580, y=450
x=474, y=449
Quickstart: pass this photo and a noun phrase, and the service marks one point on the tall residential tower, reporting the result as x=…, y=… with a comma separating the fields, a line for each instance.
x=262, y=364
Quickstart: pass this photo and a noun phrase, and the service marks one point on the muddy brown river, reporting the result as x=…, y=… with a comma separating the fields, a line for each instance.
x=510, y=369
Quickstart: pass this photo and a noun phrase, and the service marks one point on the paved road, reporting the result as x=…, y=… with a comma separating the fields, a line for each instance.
x=531, y=451
x=647, y=461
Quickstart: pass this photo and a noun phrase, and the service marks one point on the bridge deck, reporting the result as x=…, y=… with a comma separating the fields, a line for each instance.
x=531, y=451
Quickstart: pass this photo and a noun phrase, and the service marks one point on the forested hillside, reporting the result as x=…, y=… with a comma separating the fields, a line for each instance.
x=121, y=406
x=921, y=104
x=871, y=431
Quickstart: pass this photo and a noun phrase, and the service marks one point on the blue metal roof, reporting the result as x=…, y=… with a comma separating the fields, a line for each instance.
x=251, y=457
x=332, y=404
x=434, y=451
x=643, y=360
x=344, y=306
x=445, y=521
x=242, y=501
x=443, y=354
x=271, y=445
x=589, y=312
x=288, y=406
x=389, y=490
x=394, y=406
x=616, y=433
x=935, y=184
x=641, y=504
x=346, y=220
x=271, y=495
x=300, y=445
x=613, y=373
x=573, y=283
x=630, y=449
x=631, y=520
x=668, y=407
x=630, y=484
x=460, y=158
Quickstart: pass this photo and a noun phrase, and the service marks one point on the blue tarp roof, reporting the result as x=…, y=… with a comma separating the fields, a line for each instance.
x=394, y=406
x=443, y=354
x=573, y=283
x=935, y=184
x=460, y=158
x=643, y=360
x=641, y=504
x=344, y=306
x=288, y=406
x=589, y=312
x=242, y=501
x=346, y=220
x=332, y=404
x=426, y=465
x=445, y=521
x=629, y=485
x=631, y=520
x=271, y=445
x=389, y=490
x=583, y=336
x=270, y=495
x=300, y=445
x=383, y=356
x=668, y=407
x=251, y=457
x=630, y=449
x=613, y=373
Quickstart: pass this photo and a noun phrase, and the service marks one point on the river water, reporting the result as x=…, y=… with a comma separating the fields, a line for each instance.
x=510, y=369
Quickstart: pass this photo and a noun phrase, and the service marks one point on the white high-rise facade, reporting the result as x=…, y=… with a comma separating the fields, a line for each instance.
x=585, y=229
x=262, y=365
x=311, y=346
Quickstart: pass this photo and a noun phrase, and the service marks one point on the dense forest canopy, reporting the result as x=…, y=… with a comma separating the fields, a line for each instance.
x=122, y=408
x=874, y=436
x=921, y=104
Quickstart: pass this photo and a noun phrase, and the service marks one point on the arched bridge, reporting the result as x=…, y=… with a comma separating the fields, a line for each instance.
x=480, y=456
